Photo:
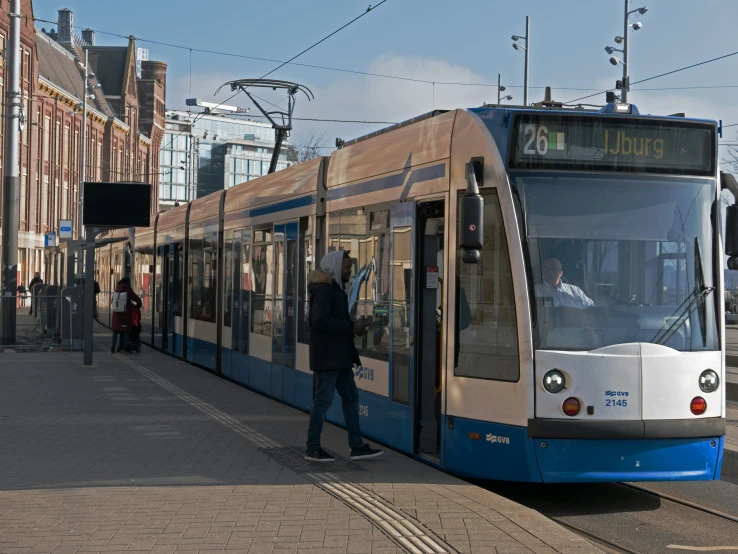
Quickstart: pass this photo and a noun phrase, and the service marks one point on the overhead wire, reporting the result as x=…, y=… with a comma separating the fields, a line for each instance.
x=659, y=75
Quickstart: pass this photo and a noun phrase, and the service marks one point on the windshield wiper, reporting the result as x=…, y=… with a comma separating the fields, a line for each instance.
x=695, y=300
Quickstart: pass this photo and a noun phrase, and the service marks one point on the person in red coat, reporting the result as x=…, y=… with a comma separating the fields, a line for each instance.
x=122, y=321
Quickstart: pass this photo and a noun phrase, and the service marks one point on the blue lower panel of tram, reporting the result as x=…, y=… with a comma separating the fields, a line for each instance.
x=506, y=452
x=566, y=460
x=381, y=419
x=501, y=452
x=202, y=353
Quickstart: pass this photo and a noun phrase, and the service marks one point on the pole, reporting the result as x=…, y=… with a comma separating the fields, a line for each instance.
x=624, y=91
x=527, y=59
x=11, y=189
x=89, y=294
x=81, y=232
x=499, y=83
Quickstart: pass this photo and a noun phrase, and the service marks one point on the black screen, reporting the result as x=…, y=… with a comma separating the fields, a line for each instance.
x=117, y=204
x=614, y=143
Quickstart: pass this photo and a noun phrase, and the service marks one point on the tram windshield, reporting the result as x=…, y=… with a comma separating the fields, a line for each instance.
x=619, y=260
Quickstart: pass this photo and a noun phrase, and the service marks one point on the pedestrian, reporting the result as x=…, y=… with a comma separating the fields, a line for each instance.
x=35, y=281
x=333, y=355
x=22, y=294
x=122, y=313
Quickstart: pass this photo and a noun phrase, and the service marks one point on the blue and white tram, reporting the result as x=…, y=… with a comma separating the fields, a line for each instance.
x=585, y=343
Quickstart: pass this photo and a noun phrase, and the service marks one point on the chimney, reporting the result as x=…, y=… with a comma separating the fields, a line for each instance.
x=88, y=35
x=66, y=25
x=156, y=71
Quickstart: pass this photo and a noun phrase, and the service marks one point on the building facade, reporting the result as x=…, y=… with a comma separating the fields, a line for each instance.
x=124, y=126
x=201, y=154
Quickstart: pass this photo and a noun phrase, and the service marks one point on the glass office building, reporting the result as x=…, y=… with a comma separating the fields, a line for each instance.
x=202, y=154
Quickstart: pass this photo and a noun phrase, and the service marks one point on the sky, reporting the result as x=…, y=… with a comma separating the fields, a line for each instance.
x=465, y=41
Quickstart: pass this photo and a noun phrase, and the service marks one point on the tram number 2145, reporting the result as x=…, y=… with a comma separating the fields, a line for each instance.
x=618, y=402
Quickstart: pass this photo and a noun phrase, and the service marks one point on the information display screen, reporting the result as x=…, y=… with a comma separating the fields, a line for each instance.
x=117, y=204
x=591, y=143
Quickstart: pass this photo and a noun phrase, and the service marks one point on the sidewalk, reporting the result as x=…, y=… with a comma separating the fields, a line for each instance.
x=148, y=454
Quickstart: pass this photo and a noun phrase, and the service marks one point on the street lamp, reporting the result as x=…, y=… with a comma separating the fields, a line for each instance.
x=501, y=89
x=614, y=60
x=519, y=47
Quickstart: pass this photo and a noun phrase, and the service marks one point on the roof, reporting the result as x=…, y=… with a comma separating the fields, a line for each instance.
x=57, y=65
x=110, y=63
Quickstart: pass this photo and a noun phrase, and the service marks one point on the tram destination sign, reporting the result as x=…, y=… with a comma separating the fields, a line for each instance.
x=612, y=143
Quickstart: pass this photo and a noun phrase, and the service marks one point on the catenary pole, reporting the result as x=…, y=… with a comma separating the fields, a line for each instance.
x=624, y=91
x=11, y=189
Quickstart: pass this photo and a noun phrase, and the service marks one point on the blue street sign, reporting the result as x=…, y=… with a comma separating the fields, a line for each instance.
x=65, y=229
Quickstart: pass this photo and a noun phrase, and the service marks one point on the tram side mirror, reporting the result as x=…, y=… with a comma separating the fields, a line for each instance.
x=471, y=220
x=728, y=181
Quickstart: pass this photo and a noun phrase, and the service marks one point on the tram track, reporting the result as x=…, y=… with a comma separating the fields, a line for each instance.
x=619, y=548
x=638, y=518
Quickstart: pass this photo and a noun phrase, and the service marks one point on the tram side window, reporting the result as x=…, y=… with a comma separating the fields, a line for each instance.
x=262, y=271
x=486, y=324
x=369, y=287
x=228, y=281
x=144, y=282
x=178, y=279
x=306, y=267
x=202, y=271
x=245, y=291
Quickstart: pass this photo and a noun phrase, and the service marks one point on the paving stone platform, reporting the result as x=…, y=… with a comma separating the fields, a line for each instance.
x=144, y=453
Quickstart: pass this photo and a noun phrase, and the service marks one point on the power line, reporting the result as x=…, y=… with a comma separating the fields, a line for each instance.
x=382, y=75
x=248, y=116
x=660, y=75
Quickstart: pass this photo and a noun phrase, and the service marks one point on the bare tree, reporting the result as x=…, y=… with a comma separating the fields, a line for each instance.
x=732, y=158
x=306, y=148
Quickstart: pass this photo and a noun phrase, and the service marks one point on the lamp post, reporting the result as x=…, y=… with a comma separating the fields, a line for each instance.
x=624, y=86
x=501, y=89
x=83, y=173
x=526, y=48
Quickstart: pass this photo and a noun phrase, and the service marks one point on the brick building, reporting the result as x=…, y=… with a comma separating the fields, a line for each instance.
x=125, y=124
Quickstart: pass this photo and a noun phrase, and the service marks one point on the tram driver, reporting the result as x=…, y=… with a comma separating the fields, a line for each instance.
x=562, y=294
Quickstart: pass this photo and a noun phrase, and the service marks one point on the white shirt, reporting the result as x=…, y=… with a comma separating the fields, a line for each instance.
x=569, y=296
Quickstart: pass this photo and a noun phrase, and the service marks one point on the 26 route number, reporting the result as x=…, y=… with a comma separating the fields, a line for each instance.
x=538, y=141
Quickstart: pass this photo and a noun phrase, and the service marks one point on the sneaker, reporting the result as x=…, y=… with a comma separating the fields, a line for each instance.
x=112, y=350
x=318, y=455
x=365, y=452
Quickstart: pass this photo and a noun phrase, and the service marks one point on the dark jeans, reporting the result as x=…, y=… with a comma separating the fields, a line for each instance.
x=330, y=381
x=124, y=335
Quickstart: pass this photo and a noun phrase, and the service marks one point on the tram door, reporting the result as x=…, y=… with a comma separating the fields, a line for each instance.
x=284, y=285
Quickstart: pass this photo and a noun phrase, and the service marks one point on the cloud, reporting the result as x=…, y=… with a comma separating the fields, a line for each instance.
x=356, y=97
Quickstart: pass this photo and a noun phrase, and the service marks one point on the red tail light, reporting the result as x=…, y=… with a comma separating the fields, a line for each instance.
x=571, y=406
x=698, y=406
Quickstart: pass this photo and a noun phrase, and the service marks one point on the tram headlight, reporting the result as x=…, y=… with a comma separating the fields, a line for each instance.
x=554, y=381
x=709, y=381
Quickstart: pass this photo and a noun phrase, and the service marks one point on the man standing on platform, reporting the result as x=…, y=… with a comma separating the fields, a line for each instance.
x=35, y=281
x=333, y=355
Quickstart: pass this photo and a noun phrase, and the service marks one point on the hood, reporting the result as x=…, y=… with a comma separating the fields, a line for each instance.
x=331, y=264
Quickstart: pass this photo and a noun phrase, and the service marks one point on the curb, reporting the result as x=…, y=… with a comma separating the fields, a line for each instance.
x=730, y=463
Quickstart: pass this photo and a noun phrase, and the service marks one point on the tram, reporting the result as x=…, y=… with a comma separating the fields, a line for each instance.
x=543, y=289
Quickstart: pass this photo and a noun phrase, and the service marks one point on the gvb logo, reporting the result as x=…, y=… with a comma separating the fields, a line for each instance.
x=616, y=393
x=361, y=372
x=497, y=439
